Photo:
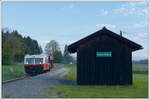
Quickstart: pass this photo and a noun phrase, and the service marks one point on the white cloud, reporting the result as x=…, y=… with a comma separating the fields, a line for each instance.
x=145, y=11
x=136, y=8
x=45, y=41
x=69, y=6
x=139, y=25
x=62, y=43
x=109, y=26
x=103, y=12
x=142, y=39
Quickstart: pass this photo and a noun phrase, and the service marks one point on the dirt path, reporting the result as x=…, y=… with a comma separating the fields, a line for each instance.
x=33, y=87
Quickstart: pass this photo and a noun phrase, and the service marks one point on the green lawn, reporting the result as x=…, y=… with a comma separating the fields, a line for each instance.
x=139, y=89
x=12, y=71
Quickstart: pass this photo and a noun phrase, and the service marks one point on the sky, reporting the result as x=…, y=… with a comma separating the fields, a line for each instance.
x=67, y=22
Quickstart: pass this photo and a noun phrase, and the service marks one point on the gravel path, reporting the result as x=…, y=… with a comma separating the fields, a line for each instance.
x=33, y=87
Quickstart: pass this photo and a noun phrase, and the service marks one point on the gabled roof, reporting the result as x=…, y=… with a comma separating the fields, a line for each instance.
x=134, y=46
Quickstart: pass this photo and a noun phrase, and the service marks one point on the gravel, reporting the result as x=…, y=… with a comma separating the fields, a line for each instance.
x=33, y=87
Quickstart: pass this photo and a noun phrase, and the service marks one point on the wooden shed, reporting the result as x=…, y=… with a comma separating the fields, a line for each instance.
x=104, y=58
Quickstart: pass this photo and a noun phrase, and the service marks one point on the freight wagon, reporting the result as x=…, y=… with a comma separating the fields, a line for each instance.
x=36, y=64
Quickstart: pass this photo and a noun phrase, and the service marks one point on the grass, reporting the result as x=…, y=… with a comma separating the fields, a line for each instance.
x=12, y=71
x=15, y=71
x=139, y=89
x=56, y=64
x=69, y=65
x=71, y=76
x=140, y=67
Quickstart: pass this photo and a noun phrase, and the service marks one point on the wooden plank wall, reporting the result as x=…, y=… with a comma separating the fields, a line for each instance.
x=115, y=70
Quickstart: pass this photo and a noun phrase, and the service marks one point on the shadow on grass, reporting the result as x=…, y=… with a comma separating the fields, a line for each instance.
x=68, y=82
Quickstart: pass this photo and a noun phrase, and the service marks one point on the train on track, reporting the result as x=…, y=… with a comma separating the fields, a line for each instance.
x=36, y=64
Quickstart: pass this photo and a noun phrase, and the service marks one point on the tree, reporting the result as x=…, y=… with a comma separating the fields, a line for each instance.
x=6, y=54
x=57, y=57
x=67, y=58
x=66, y=53
x=41, y=50
x=52, y=47
x=31, y=46
x=14, y=46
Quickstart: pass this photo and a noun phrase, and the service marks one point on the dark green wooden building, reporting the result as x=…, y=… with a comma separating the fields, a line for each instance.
x=104, y=58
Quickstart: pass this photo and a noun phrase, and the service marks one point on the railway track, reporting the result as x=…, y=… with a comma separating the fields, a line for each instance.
x=21, y=78
x=13, y=80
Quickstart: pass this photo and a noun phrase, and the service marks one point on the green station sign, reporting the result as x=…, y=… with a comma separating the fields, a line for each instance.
x=103, y=54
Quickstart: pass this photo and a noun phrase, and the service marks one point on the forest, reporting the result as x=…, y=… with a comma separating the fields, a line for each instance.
x=15, y=46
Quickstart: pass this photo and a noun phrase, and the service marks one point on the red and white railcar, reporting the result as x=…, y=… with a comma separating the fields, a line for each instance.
x=35, y=64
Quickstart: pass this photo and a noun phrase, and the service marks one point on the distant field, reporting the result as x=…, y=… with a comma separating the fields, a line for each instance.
x=139, y=89
x=12, y=71
x=140, y=67
x=135, y=67
x=15, y=71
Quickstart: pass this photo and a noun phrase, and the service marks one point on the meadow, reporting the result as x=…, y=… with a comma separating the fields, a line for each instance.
x=13, y=71
x=139, y=89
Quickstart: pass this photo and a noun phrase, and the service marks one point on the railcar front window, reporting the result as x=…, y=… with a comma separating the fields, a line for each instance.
x=29, y=60
x=38, y=60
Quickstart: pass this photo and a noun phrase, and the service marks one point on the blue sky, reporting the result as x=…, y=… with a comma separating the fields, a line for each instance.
x=68, y=22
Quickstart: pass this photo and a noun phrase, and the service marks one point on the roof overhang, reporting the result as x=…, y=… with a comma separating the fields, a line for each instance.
x=134, y=46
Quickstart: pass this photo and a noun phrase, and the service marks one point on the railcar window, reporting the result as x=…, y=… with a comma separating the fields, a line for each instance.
x=38, y=60
x=29, y=60
x=34, y=60
x=46, y=60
